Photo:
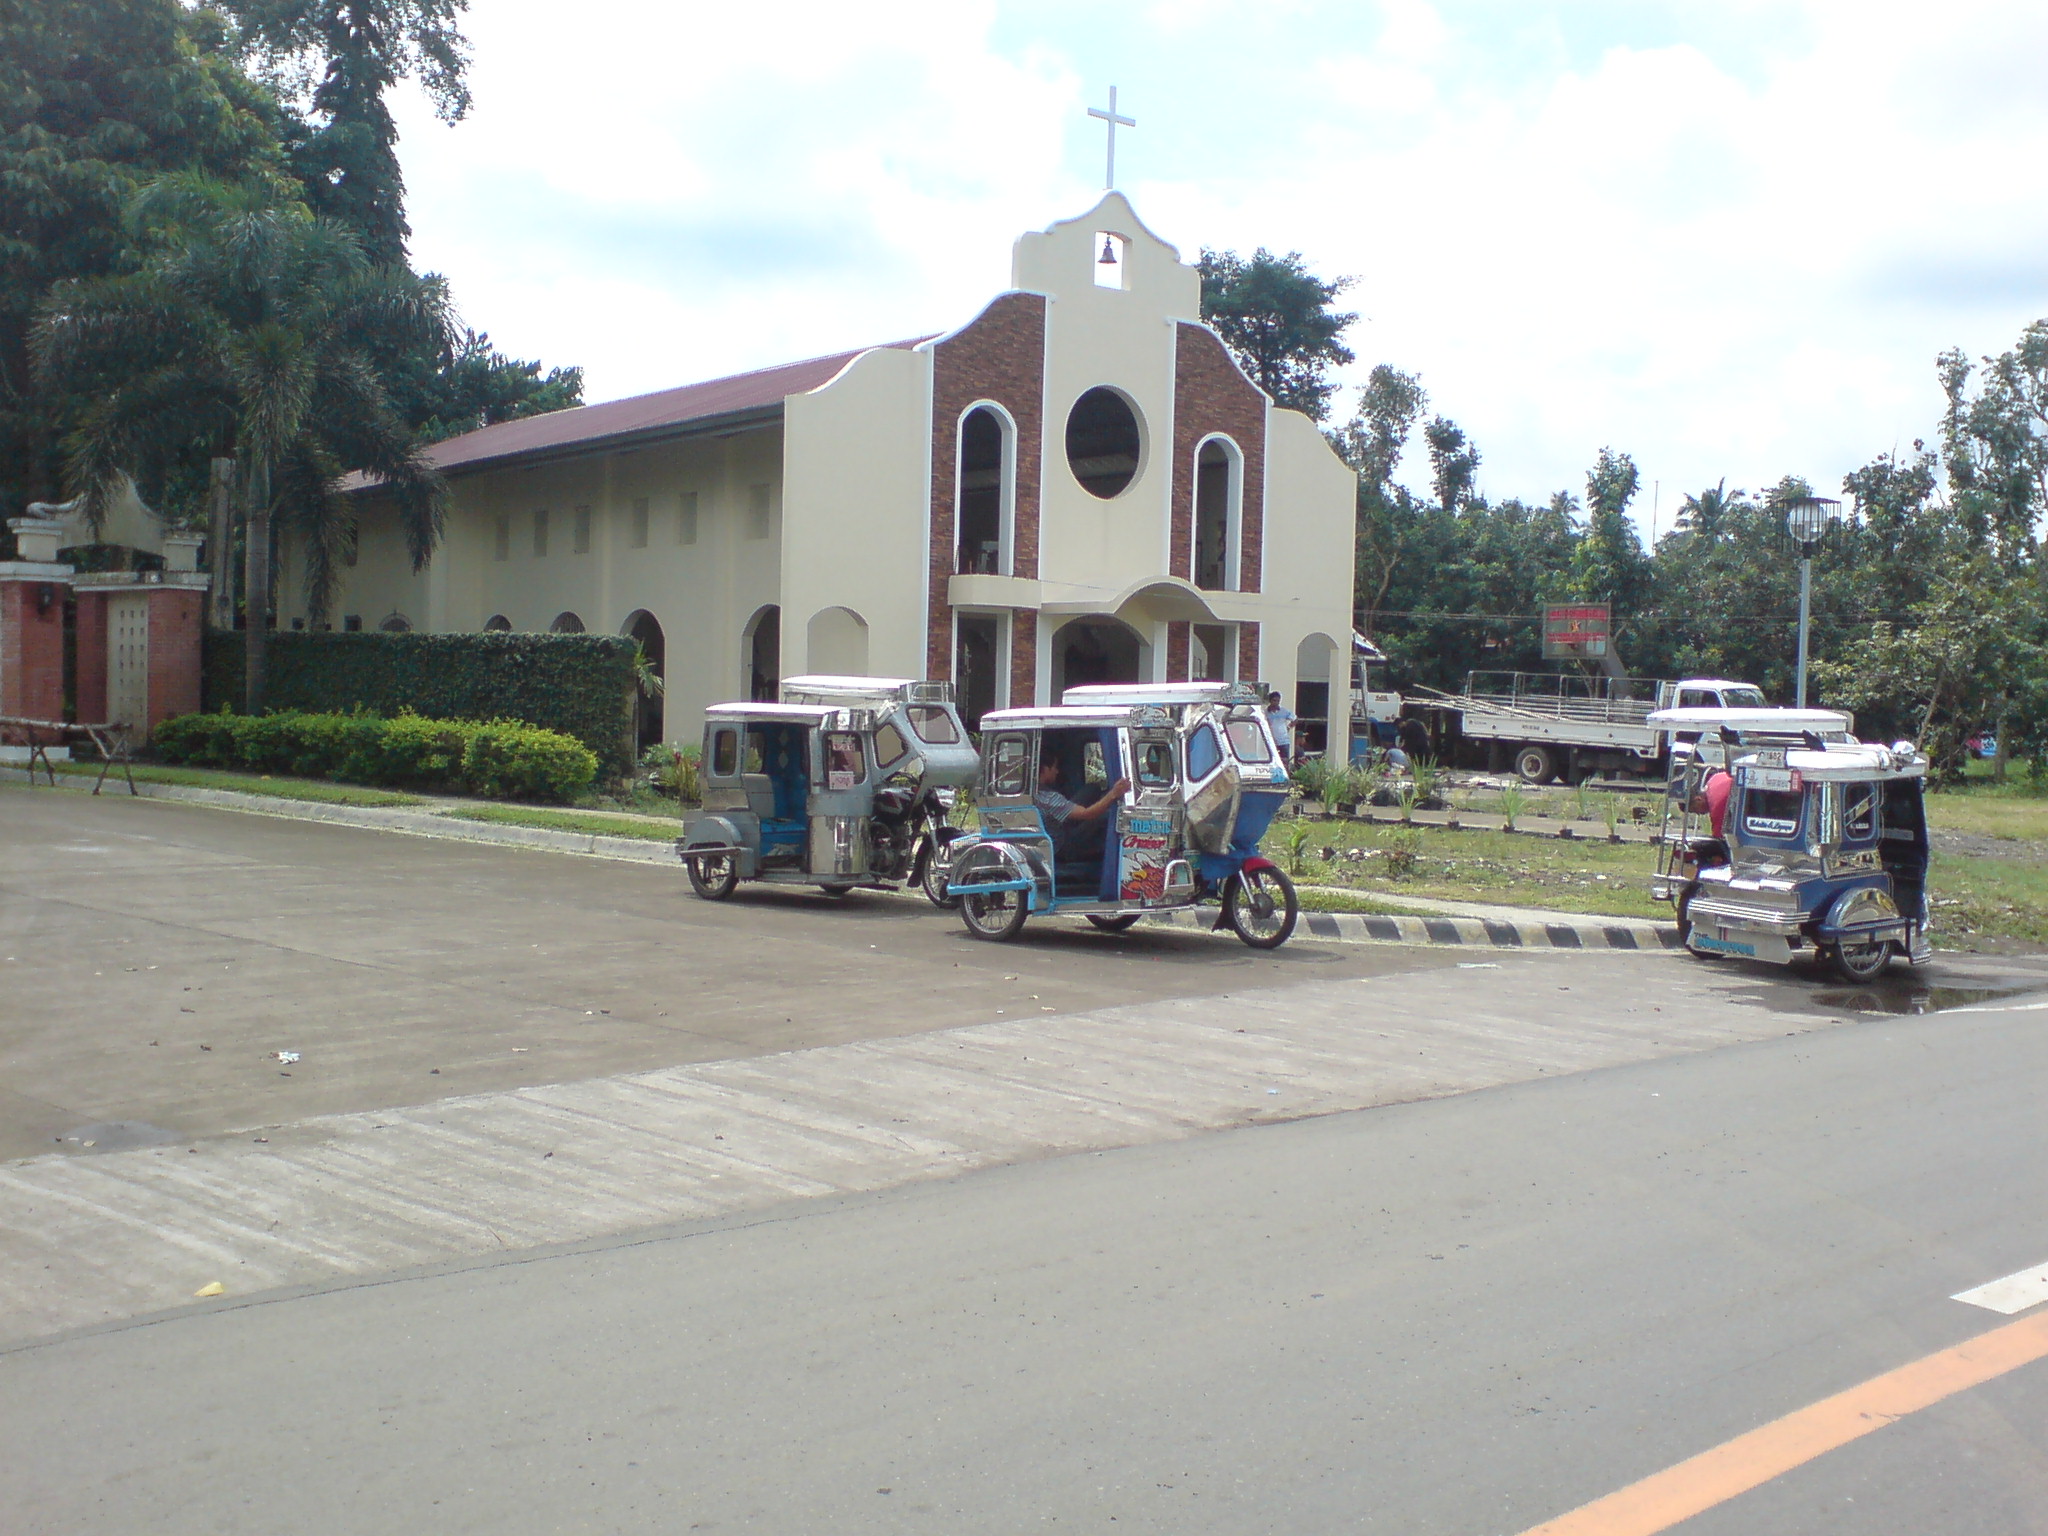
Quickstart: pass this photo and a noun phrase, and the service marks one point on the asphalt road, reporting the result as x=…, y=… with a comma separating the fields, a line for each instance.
x=1462, y=1316
x=154, y=955
x=1468, y=1313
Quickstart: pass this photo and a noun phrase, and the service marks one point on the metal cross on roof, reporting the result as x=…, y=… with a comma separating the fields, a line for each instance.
x=1110, y=118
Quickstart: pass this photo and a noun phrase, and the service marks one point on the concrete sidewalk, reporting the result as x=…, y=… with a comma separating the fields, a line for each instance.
x=1472, y=925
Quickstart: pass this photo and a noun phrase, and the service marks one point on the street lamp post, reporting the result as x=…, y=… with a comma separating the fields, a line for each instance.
x=1806, y=519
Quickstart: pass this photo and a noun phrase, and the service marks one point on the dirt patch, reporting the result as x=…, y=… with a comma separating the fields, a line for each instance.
x=1975, y=845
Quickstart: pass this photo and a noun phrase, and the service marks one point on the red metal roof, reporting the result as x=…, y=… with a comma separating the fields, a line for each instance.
x=665, y=408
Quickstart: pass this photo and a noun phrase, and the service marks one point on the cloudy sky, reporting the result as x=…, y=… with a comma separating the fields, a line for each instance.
x=1726, y=238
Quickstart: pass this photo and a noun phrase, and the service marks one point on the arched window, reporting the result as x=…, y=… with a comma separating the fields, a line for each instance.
x=497, y=624
x=988, y=493
x=395, y=624
x=566, y=624
x=642, y=627
x=761, y=645
x=1219, y=495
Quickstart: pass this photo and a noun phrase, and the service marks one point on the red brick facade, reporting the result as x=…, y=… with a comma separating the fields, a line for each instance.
x=1211, y=396
x=32, y=647
x=999, y=356
x=1023, y=657
x=1248, y=653
x=177, y=617
x=1179, y=650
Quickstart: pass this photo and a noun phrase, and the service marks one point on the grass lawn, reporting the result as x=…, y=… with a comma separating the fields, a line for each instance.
x=639, y=800
x=1977, y=898
x=596, y=822
x=1346, y=901
x=320, y=790
x=1575, y=875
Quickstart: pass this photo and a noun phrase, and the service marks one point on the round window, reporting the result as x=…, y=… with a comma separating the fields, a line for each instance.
x=1103, y=444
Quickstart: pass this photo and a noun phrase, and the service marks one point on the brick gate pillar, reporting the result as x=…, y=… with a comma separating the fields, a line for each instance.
x=32, y=593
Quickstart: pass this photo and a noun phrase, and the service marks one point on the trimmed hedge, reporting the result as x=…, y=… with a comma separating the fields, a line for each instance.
x=498, y=759
x=580, y=685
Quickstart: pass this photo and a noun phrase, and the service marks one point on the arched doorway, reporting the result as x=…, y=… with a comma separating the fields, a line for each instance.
x=837, y=643
x=1098, y=649
x=644, y=629
x=497, y=624
x=762, y=648
x=1316, y=692
x=566, y=624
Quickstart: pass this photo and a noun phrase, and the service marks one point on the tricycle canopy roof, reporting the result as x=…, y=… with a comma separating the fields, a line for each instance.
x=794, y=714
x=1776, y=722
x=1851, y=763
x=1057, y=717
x=1165, y=694
x=822, y=688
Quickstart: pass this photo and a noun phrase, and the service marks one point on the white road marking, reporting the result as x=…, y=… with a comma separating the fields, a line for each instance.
x=2014, y=1293
x=2000, y=1008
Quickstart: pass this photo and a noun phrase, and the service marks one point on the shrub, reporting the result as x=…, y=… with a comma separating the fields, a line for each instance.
x=583, y=686
x=510, y=761
x=499, y=759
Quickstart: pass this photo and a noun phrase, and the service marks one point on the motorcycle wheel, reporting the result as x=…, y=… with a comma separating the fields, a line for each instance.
x=933, y=871
x=713, y=876
x=1115, y=922
x=1859, y=963
x=1261, y=907
x=994, y=915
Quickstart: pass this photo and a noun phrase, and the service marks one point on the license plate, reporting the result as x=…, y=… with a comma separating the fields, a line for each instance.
x=1767, y=778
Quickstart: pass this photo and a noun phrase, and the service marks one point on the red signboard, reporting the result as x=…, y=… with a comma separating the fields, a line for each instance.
x=1576, y=631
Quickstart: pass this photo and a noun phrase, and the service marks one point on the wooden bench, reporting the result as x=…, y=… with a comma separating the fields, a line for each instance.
x=109, y=740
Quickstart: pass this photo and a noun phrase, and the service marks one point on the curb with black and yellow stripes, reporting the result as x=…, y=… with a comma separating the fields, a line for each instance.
x=1471, y=932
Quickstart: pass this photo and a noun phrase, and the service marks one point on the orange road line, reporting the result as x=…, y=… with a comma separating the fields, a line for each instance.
x=1665, y=1498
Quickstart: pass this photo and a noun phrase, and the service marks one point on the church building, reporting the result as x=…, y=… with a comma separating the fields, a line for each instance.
x=1078, y=485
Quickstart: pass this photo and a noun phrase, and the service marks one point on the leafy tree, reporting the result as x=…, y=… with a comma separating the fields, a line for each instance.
x=342, y=57
x=1970, y=652
x=1274, y=315
x=476, y=386
x=1609, y=564
x=96, y=97
x=1453, y=463
x=252, y=330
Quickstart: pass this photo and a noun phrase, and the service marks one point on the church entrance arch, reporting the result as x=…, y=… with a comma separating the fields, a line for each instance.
x=761, y=646
x=644, y=629
x=1097, y=649
x=837, y=643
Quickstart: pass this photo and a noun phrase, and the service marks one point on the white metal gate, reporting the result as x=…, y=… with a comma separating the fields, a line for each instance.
x=128, y=660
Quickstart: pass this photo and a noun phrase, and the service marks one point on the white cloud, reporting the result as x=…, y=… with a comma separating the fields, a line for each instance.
x=1729, y=243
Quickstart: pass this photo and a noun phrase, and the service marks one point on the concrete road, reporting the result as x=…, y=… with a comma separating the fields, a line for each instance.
x=801, y=1215
x=153, y=956
x=1460, y=1316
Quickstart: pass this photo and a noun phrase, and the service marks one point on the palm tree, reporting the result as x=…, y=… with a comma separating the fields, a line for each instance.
x=257, y=332
x=1703, y=514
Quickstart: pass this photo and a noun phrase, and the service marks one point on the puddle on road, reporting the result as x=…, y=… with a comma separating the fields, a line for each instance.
x=1907, y=997
x=116, y=1136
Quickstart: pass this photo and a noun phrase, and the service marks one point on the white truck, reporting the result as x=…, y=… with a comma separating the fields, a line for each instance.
x=1547, y=725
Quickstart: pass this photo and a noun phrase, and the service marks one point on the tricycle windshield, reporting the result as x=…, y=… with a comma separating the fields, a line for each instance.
x=1153, y=764
x=1009, y=765
x=1772, y=813
x=934, y=724
x=1248, y=742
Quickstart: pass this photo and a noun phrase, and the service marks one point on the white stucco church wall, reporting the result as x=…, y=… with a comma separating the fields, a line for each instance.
x=1076, y=485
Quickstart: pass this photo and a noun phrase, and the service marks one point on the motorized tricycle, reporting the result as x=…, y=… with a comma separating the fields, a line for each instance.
x=1820, y=850
x=844, y=784
x=1143, y=799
